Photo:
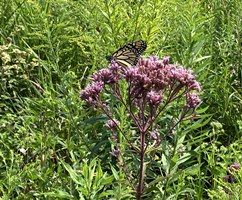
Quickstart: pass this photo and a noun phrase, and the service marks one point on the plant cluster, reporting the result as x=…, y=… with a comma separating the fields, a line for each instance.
x=151, y=87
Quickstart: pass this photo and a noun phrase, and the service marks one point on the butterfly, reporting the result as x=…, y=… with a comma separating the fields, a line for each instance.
x=129, y=54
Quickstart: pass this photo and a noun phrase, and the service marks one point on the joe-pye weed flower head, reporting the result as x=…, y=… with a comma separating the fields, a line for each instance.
x=152, y=83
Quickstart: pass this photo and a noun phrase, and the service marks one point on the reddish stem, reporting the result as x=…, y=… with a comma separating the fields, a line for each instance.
x=142, y=155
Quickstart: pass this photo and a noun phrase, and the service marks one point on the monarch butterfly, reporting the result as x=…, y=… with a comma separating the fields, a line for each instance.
x=129, y=54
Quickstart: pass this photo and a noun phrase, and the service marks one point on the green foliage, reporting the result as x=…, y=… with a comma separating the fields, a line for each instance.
x=49, y=138
x=18, y=68
x=219, y=161
x=91, y=183
x=224, y=78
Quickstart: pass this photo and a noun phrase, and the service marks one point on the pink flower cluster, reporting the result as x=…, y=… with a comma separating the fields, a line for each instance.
x=232, y=170
x=91, y=92
x=148, y=82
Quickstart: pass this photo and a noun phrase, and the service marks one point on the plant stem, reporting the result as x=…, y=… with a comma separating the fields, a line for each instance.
x=141, y=173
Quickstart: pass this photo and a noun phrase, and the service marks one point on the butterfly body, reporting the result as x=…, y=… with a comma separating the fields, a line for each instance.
x=129, y=54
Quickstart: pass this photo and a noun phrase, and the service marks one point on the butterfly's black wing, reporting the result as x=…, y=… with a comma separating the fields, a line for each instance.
x=139, y=46
x=129, y=54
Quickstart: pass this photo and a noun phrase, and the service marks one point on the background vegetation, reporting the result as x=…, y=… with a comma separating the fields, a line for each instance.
x=54, y=147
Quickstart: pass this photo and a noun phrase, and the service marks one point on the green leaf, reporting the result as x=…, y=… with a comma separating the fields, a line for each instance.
x=58, y=194
x=74, y=176
x=115, y=173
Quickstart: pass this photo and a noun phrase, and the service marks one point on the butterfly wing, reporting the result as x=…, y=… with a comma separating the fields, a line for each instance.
x=128, y=55
x=139, y=46
x=125, y=57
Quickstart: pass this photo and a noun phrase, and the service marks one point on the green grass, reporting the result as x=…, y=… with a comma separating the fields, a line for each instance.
x=56, y=45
